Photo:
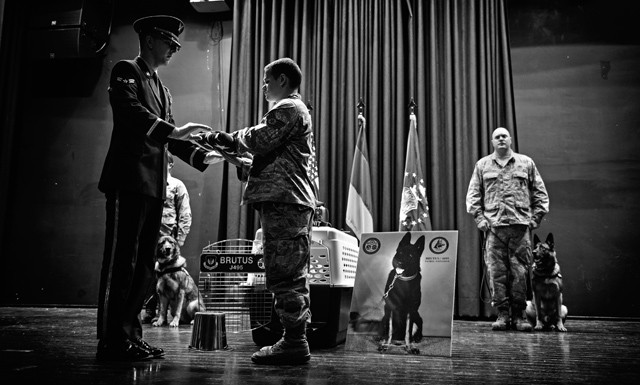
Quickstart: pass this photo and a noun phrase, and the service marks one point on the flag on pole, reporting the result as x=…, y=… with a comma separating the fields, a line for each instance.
x=314, y=176
x=414, y=208
x=359, y=205
x=313, y=166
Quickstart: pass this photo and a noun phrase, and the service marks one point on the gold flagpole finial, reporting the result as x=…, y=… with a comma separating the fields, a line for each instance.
x=412, y=106
x=361, y=120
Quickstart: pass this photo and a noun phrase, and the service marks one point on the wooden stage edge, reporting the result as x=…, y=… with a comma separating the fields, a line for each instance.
x=56, y=345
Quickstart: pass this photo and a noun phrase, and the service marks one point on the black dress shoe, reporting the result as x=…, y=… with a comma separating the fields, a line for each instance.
x=153, y=350
x=121, y=351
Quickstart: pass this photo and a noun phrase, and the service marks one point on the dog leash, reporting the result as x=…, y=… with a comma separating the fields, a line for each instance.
x=384, y=296
x=484, y=281
x=390, y=287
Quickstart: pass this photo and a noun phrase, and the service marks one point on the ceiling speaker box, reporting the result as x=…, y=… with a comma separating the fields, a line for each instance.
x=70, y=28
x=212, y=6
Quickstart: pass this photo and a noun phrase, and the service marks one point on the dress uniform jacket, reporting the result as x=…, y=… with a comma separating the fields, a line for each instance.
x=142, y=121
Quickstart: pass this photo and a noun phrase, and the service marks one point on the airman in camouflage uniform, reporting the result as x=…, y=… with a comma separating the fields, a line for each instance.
x=507, y=198
x=176, y=210
x=280, y=188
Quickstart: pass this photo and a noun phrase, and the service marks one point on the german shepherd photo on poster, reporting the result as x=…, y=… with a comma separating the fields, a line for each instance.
x=402, y=300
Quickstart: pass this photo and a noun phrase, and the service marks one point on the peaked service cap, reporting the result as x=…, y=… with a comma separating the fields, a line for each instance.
x=166, y=26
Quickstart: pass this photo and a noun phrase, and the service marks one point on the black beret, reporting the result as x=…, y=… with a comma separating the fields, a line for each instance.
x=167, y=26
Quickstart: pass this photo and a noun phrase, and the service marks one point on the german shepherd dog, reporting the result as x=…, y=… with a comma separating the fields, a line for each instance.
x=403, y=295
x=175, y=287
x=546, y=311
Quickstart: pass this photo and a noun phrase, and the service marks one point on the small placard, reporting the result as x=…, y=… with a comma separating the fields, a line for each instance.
x=231, y=263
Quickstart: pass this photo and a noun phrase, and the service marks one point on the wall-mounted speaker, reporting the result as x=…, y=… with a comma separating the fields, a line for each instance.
x=212, y=6
x=66, y=29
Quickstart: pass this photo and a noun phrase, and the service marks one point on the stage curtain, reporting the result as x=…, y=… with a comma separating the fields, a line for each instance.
x=451, y=57
x=12, y=43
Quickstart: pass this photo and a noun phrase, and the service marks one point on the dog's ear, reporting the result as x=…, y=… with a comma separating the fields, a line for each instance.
x=549, y=240
x=406, y=241
x=536, y=240
x=420, y=244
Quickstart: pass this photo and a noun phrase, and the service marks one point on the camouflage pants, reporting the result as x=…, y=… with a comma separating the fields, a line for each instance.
x=286, y=230
x=508, y=257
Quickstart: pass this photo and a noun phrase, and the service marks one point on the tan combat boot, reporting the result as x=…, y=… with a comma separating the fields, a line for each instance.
x=503, y=320
x=291, y=349
x=520, y=322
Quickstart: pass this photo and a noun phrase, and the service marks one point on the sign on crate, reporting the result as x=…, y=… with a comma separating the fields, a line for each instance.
x=231, y=263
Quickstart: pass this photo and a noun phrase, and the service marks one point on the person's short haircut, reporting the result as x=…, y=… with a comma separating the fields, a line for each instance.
x=500, y=128
x=287, y=67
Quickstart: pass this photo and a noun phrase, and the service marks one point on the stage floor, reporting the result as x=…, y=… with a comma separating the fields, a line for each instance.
x=57, y=346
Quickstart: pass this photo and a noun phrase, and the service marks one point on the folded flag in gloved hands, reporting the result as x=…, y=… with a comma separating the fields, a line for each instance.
x=223, y=140
x=223, y=144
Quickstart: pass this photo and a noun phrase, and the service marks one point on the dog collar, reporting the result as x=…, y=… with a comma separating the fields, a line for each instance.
x=180, y=263
x=171, y=270
x=402, y=278
x=554, y=273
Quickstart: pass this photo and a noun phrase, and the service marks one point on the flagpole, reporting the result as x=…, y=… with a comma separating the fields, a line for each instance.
x=359, y=200
x=414, y=207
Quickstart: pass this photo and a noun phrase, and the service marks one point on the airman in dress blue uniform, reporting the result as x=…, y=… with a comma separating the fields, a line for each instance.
x=134, y=180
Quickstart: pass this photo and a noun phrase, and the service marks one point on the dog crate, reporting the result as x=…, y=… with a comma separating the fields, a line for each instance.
x=334, y=257
x=332, y=271
x=232, y=282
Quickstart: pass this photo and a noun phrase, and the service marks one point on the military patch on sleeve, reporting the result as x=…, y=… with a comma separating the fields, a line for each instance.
x=125, y=81
x=275, y=123
x=278, y=119
x=281, y=115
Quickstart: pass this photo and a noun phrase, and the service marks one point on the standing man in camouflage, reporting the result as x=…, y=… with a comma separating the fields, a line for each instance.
x=176, y=222
x=176, y=210
x=280, y=189
x=507, y=199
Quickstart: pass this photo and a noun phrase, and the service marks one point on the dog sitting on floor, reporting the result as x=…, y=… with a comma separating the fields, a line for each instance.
x=175, y=287
x=546, y=311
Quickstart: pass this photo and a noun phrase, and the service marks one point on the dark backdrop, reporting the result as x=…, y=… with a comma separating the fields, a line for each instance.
x=581, y=129
x=57, y=137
